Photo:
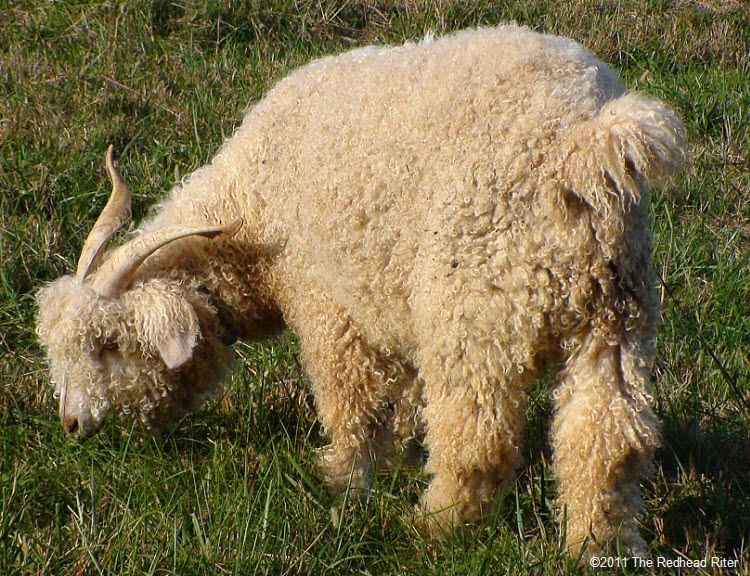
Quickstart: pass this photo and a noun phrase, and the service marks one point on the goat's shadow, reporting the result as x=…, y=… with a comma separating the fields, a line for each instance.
x=257, y=416
x=699, y=495
x=703, y=482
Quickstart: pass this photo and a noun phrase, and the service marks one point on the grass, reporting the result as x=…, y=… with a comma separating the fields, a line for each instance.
x=235, y=491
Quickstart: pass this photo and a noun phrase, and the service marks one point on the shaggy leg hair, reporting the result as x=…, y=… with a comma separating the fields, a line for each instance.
x=474, y=421
x=351, y=384
x=604, y=435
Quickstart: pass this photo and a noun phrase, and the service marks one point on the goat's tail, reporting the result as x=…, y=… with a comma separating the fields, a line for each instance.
x=607, y=161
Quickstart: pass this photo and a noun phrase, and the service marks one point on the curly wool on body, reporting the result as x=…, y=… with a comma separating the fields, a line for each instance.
x=439, y=222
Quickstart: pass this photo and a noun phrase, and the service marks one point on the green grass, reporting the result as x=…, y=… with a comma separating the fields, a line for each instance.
x=235, y=491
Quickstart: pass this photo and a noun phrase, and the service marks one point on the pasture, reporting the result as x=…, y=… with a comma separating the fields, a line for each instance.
x=233, y=488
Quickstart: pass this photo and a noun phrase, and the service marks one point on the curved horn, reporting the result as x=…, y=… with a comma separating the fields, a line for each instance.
x=114, y=275
x=115, y=214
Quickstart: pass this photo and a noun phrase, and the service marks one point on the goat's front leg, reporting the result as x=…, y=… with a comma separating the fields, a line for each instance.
x=604, y=435
x=350, y=382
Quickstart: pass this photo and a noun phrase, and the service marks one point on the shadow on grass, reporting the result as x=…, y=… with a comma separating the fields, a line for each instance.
x=704, y=484
x=699, y=500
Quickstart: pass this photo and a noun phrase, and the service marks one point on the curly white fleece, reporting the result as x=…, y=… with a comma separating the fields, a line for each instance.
x=439, y=222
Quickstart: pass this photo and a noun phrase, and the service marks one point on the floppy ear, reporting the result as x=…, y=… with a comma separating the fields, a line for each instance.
x=164, y=320
x=176, y=346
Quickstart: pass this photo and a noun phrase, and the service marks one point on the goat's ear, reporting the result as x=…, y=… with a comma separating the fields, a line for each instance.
x=164, y=321
x=176, y=347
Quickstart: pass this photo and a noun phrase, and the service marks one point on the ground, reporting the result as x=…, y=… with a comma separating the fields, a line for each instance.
x=233, y=488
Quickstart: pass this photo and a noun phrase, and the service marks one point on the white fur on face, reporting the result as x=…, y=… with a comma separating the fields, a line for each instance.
x=130, y=353
x=76, y=407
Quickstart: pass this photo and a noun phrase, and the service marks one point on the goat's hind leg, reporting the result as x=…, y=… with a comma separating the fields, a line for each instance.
x=604, y=435
x=473, y=413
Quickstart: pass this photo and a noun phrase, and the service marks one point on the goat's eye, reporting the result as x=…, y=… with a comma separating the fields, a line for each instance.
x=110, y=346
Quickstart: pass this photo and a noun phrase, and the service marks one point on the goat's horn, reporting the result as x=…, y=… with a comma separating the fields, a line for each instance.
x=114, y=215
x=114, y=275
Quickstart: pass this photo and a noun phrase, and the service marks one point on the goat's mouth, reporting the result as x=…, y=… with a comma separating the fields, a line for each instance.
x=80, y=426
x=76, y=418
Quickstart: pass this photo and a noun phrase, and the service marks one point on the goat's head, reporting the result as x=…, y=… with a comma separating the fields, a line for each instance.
x=110, y=343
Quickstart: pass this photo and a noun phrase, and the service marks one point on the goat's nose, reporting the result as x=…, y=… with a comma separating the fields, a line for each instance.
x=70, y=425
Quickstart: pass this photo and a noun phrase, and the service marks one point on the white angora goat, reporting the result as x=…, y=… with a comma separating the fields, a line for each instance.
x=438, y=222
